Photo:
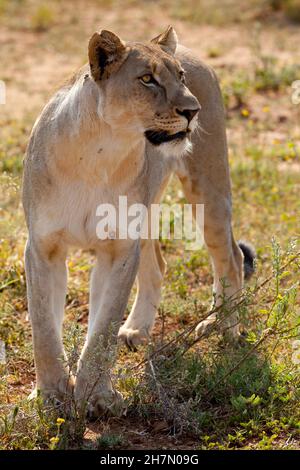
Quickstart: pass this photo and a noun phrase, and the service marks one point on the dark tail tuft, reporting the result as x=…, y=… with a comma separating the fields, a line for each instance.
x=249, y=258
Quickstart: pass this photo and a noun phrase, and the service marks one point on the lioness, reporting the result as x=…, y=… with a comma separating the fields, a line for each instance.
x=121, y=127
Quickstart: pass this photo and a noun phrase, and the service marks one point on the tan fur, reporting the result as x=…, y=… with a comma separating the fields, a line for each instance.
x=87, y=148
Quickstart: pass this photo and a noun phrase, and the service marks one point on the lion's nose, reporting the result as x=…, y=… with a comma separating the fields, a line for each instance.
x=187, y=113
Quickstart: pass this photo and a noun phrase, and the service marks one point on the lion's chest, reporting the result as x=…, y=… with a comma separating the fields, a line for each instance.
x=85, y=214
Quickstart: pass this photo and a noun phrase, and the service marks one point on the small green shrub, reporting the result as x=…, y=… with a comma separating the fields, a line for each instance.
x=292, y=10
x=109, y=441
x=43, y=18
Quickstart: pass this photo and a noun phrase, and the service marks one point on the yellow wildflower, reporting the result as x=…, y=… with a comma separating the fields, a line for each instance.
x=54, y=440
x=245, y=112
x=60, y=421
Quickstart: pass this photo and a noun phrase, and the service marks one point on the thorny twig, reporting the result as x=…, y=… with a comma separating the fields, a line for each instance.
x=188, y=331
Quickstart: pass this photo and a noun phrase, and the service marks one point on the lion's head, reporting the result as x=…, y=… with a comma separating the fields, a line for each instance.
x=143, y=88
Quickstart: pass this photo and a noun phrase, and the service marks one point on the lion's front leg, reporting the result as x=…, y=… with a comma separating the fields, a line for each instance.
x=115, y=279
x=46, y=276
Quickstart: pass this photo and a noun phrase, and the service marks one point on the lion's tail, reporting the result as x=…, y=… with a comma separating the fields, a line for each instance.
x=249, y=258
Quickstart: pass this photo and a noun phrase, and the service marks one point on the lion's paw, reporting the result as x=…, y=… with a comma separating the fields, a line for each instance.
x=103, y=403
x=52, y=399
x=230, y=333
x=58, y=396
x=205, y=327
x=133, y=337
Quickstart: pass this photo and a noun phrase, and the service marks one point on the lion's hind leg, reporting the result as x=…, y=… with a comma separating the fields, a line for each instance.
x=139, y=323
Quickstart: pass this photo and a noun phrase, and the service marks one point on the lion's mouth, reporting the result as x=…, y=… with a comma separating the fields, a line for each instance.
x=160, y=137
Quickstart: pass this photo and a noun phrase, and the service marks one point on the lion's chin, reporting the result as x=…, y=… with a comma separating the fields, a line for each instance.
x=177, y=144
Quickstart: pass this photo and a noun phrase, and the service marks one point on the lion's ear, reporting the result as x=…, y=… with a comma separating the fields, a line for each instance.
x=106, y=53
x=167, y=41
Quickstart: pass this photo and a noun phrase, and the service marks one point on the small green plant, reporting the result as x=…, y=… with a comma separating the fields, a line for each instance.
x=236, y=90
x=292, y=10
x=109, y=441
x=43, y=18
x=269, y=74
x=214, y=52
x=215, y=12
x=3, y=6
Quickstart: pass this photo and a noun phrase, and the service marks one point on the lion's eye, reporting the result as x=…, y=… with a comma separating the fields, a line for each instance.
x=182, y=76
x=147, y=79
